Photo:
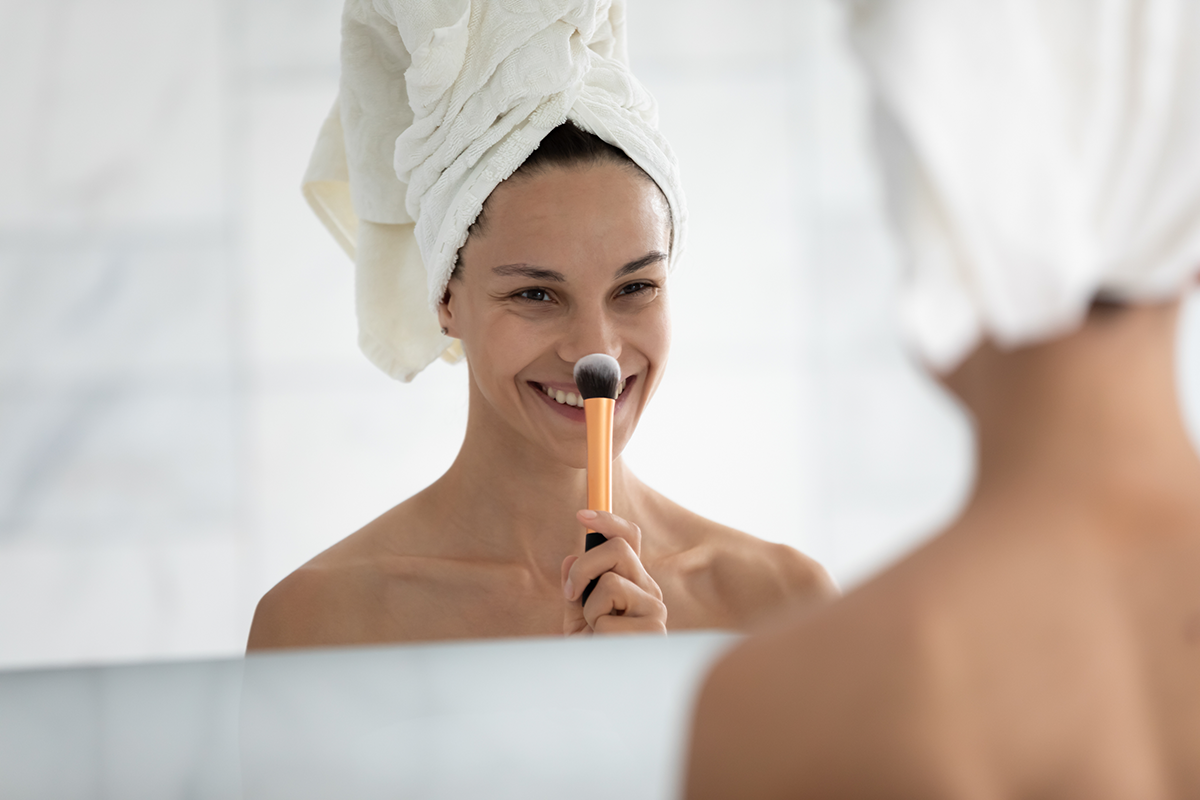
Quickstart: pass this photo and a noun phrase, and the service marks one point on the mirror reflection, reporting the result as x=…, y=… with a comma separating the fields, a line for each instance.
x=373, y=363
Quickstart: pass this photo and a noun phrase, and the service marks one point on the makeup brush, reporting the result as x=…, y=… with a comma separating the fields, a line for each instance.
x=598, y=377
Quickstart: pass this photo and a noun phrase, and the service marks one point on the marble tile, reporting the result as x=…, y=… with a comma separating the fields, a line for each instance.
x=110, y=461
x=299, y=282
x=690, y=31
x=739, y=279
x=118, y=403
x=105, y=600
x=99, y=307
x=120, y=486
x=290, y=40
x=117, y=120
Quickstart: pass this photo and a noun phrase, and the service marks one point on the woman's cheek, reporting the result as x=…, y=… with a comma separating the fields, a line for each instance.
x=654, y=340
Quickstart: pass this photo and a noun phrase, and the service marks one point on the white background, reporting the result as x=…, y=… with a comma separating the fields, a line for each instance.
x=184, y=416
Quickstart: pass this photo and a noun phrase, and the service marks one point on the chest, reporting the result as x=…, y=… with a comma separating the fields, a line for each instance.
x=474, y=603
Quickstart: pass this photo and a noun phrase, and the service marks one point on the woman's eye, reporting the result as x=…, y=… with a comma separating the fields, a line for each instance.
x=533, y=295
x=634, y=288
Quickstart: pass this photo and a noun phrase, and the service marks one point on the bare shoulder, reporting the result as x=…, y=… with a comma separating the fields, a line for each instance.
x=740, y=559
x=739, y=576
x=758, y=577
x=317, y=605
x=339, y=597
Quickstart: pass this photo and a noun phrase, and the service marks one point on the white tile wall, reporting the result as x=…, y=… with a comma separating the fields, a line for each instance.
x=184, y=416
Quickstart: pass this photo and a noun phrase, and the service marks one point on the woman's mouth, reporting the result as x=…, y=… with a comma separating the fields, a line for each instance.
x=567, y=400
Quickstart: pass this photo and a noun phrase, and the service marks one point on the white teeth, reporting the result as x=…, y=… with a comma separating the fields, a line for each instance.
x=570, y=398
x=566, y=398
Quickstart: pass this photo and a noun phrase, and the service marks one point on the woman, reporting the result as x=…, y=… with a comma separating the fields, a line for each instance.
x=568, y=256
x=1044, y=166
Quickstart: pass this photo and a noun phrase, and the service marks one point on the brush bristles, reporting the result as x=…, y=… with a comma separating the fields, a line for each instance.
x=597, y=375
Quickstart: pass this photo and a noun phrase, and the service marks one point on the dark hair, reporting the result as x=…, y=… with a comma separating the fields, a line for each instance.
x=568, y=145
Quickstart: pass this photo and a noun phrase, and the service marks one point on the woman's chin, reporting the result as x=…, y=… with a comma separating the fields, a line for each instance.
x=568, y=457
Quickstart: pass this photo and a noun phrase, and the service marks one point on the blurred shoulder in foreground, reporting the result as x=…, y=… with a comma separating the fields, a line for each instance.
x=1043, y=166
x=1046, y=644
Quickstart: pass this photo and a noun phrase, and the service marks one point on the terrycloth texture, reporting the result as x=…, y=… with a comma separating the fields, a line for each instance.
x=1038, y=153
x=440, y=101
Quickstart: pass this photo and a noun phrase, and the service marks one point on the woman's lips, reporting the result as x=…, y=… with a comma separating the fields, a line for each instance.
x=567, y=408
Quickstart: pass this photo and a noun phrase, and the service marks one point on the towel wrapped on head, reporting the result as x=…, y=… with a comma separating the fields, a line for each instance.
x=1039, y=155
x=440, y=101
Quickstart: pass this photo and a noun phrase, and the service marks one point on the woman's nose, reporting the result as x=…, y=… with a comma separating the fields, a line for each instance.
x=587, y=332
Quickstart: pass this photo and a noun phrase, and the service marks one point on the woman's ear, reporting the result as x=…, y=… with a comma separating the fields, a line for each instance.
x=445, y=314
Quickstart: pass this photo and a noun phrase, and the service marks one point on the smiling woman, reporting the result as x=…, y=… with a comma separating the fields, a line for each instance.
x=569, y=258
x=532, y=263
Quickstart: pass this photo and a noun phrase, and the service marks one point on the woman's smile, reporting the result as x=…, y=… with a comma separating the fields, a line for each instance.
x=565, y=398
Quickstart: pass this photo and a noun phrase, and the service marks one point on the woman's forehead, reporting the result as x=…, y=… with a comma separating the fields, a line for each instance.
x=565, y=214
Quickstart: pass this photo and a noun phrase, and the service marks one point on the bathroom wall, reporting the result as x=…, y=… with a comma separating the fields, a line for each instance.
x=184, y=415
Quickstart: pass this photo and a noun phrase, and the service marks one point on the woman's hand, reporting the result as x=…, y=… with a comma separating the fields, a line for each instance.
x=626, y=599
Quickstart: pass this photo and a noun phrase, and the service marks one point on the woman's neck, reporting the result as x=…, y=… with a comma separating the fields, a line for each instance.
x=1091, y=419
x=504, y=500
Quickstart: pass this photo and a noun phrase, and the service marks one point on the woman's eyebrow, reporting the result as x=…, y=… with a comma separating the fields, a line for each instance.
x=527, y=271
x=653, y=257
x=543, y=274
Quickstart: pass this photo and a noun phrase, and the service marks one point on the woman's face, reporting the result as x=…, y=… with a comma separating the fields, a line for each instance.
x=570, y=261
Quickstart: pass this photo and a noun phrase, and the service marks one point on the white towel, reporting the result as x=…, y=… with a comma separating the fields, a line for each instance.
x=440, y=101
x=1037, y=153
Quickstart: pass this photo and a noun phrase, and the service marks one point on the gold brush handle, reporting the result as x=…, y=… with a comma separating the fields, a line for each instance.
x=599, y=414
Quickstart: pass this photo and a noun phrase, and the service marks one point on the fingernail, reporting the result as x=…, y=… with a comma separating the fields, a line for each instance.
x=587, y=513
x=568, y=589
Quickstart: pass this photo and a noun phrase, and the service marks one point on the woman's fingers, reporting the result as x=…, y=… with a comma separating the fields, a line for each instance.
x=612, y=526
x=617, y=605
x=616, y=555
x=626, y=599
x=566, y=567
x=573, y=619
